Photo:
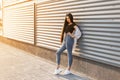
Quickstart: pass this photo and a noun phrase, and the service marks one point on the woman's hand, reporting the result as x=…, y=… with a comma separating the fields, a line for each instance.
x=71, y=35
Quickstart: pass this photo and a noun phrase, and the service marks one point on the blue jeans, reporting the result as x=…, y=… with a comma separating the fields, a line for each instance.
x=67, y=44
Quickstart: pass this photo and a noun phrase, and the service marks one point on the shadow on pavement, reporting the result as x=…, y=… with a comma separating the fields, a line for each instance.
x=72, y=77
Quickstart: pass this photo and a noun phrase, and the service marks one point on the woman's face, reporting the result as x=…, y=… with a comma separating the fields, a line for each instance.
x=68, y=19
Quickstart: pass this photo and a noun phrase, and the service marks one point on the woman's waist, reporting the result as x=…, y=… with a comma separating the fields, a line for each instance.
x=68, y=37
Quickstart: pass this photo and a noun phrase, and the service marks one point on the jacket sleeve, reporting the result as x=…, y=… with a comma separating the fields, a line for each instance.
x=77, y=33
x=77, y=36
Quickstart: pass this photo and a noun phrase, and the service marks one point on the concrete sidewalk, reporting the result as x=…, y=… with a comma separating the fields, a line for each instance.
x=16, y=64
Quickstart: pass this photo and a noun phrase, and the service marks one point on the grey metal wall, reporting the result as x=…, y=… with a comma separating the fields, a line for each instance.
x=99, y=21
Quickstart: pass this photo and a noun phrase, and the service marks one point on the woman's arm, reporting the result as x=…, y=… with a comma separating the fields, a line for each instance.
x=71, y=34
x=64, y=35
x=77, y=32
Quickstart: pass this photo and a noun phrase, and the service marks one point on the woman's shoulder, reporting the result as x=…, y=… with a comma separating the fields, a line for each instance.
x=75, y=26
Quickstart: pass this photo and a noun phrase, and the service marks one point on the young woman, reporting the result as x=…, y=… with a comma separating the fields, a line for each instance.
x=69, y=36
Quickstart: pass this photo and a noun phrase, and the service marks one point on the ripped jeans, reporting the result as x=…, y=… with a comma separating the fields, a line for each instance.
x=67, y=44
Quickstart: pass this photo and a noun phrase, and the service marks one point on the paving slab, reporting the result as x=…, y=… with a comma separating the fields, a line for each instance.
x=16, y=64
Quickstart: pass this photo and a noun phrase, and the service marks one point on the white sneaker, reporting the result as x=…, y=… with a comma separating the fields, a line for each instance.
x=57, y=71
x=67, y=72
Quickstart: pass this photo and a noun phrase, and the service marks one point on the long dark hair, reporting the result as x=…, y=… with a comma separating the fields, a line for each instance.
x=65, y=24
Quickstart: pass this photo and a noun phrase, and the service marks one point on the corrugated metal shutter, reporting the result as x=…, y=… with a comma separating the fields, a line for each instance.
x=1, y=26
x=0, y=30
x=11, y=2
x=18, y=22
x=99, y=21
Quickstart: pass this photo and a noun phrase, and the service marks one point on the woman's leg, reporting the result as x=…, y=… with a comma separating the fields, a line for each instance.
x=58, y=55
x=69, y=46
x=70, y=58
